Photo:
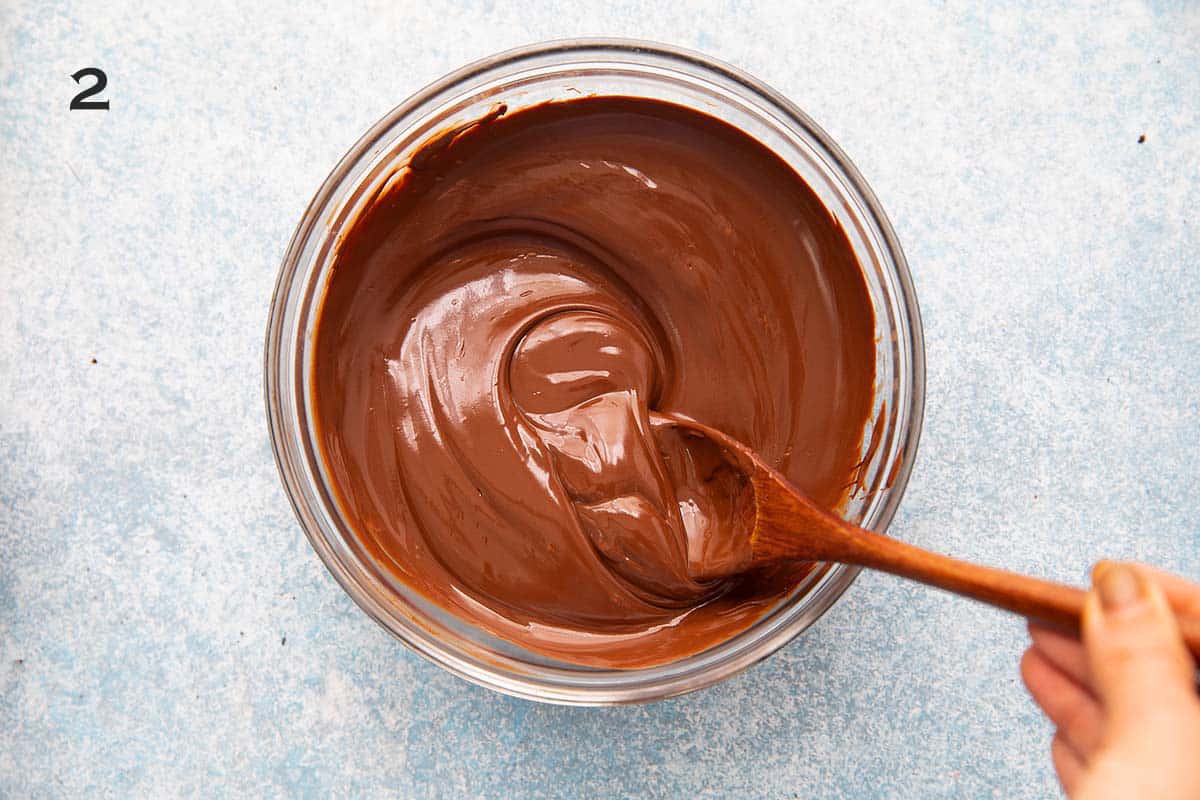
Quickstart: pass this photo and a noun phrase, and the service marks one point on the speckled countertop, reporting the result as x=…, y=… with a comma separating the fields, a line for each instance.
x=165, y=629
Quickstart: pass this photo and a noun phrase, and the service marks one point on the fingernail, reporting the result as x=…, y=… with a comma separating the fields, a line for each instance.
x=1119, y=587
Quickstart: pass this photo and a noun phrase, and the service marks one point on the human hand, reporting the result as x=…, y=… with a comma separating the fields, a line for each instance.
x=1124, y=699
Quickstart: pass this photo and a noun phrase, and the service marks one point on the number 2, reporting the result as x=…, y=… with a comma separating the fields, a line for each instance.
x=80, y=100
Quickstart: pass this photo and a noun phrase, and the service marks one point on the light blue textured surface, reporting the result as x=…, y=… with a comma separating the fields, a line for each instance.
x=150, y=567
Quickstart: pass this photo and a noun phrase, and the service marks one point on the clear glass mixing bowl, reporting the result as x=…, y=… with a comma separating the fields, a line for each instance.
x=518, y=78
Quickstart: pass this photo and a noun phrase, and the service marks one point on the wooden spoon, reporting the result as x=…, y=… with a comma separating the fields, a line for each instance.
x=774, y=521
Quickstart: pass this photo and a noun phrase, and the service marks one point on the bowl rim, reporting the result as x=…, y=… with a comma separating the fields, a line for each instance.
x=414, y=635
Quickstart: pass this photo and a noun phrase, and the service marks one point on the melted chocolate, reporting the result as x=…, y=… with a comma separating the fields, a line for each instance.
x=505, y=323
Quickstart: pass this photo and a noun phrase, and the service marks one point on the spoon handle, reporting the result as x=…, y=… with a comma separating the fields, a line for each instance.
x=1047, y=602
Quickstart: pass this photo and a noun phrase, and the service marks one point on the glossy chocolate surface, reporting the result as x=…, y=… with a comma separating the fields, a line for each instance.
x=507, y=320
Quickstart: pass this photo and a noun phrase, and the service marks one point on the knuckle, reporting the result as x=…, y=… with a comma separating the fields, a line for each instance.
x=1152, y=658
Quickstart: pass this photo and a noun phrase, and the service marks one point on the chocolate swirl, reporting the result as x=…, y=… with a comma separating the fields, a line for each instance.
x=504, y=325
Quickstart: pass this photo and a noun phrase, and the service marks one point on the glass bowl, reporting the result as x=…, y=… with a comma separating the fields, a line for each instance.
x=523, y=77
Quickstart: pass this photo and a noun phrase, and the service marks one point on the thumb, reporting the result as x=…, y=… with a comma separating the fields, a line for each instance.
x=1135, y=650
